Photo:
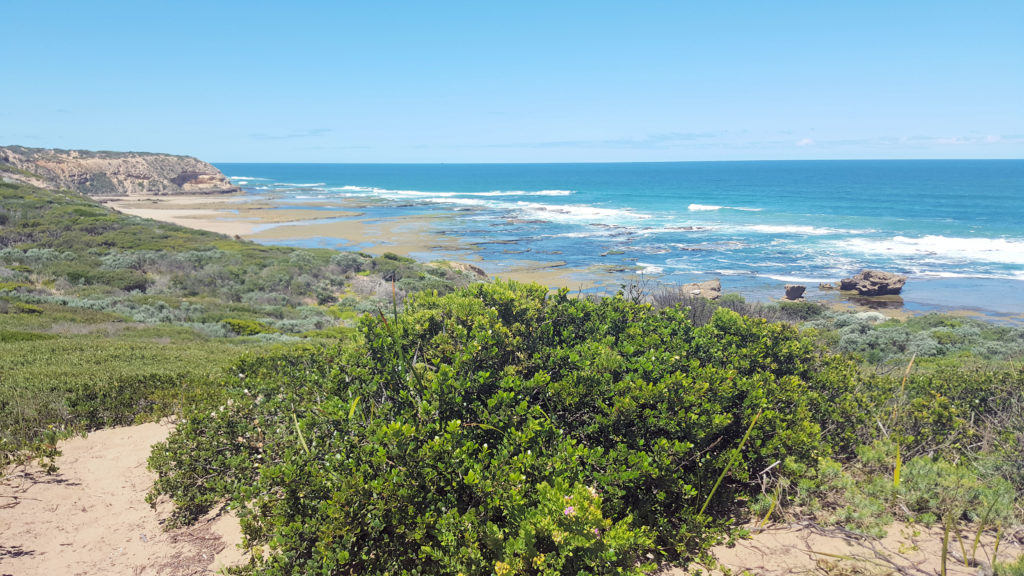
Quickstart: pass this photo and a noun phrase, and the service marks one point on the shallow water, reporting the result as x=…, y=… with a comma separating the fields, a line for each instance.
x=954, y=227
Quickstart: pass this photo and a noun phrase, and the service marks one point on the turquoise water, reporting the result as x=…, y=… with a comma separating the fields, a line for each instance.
x=954, y=227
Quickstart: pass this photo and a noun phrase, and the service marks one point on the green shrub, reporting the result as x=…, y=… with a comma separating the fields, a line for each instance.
x=20, y=336
x=350, y=262
x=248, y=327
x=68, y=384
x=1012, y=568
x=129, y=398
x=11, y=286
x=24, y=308
x=450, y=438
x=124, y=280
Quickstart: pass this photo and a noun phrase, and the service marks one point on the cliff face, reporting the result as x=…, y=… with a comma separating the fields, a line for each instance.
x=112, y=173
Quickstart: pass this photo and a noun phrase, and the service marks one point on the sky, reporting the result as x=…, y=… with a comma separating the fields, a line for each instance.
x=554, y=81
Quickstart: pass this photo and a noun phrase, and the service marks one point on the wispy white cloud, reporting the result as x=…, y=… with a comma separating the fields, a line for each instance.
x=916, y=141
x=970, y=139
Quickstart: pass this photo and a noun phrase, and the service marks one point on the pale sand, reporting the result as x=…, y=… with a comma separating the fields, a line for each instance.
x=233, y=215
x=809, y=549
x=405, y=236
x=238, y=215
x=91, y=517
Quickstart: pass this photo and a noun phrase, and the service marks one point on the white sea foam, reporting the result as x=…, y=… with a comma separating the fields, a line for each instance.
x=552, y=193
x=710, y=246
x=797, y=229
x=798, y=279
x=1017, y=275
x=673, y=230
x=518, y=193
x=294, y=185
x=458, y=201
x=391, y=193
x=588, y=234
x=578, y=212
x=246, y=178
x=649, y=268
x=944, y=249
x=712, y=208
x=680, y=263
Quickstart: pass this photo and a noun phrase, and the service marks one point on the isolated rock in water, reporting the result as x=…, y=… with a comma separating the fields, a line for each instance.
x=711, y=289
x=826, y=286
x=112, y=173
x=874, y=283
x=795, y=291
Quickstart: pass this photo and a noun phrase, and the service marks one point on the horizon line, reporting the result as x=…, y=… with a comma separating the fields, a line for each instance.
x=456, y=163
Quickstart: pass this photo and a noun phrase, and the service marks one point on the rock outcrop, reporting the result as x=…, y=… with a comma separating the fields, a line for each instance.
x=467, y=268
x=112, y=173
x=874, y=283
x=712, y=289
x=795, y=291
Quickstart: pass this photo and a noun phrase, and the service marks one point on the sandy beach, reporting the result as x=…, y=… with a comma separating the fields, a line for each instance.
x=261, y=221
x=233, y=215
x=344, y=224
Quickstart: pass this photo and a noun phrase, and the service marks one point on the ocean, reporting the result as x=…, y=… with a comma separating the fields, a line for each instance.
x=954, y=227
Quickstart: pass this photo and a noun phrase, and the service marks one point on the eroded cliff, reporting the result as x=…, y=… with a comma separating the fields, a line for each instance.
x=112, y=173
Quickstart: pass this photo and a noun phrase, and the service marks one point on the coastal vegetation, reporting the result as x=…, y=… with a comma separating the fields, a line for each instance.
x=98, y=307
x=465, y=433
x=375, y=415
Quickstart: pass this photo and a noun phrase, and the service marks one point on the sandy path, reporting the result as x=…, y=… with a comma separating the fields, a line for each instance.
x=804, y=548
x=91, y=517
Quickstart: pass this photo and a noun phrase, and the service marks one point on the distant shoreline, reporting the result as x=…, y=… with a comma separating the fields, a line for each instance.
x=262, y=221
x=237, y=215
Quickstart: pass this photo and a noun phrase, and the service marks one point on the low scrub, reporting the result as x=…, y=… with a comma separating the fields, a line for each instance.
x=75, y=278
x=504, y=430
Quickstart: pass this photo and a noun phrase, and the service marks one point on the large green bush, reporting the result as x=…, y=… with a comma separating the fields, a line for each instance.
x=501, y=429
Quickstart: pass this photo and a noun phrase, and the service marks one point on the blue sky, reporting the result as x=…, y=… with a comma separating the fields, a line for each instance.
x=522, y=81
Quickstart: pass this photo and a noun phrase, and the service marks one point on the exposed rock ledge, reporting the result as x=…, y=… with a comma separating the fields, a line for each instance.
x=874, y=283
x=112, y=173
x=712, y=289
